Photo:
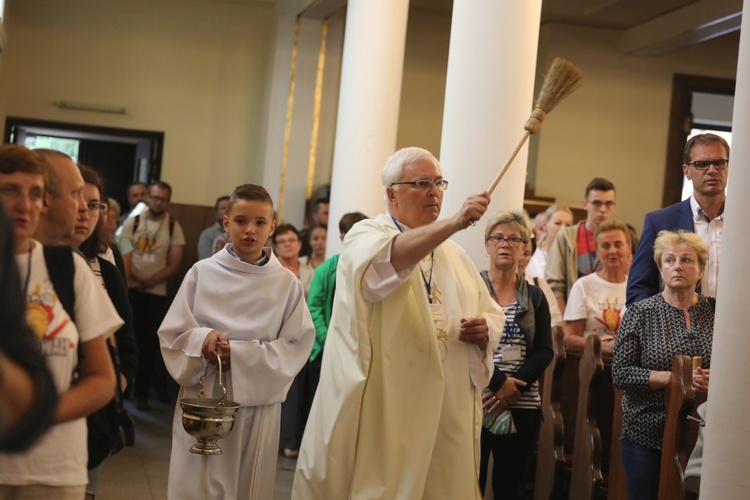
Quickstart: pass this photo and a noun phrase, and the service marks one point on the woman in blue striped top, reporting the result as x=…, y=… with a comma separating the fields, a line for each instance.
x=524, y=352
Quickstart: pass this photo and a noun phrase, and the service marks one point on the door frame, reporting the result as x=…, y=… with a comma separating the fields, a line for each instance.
x=93, y=132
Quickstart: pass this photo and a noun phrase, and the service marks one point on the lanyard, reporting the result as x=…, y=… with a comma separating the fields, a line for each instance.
x=426, y=280
x=508, y=329
x=149, y=242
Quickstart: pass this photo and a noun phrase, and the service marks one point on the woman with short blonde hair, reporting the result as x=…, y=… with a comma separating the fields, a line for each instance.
x=653, y=331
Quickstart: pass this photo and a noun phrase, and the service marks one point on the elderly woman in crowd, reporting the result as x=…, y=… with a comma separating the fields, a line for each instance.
x=556, y=217
x=677, y=321
x=597, y=302
x=524, y=352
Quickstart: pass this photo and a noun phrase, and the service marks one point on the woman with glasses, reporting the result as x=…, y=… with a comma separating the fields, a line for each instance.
x=90, y=237
x=596, y=302
x=523, y=354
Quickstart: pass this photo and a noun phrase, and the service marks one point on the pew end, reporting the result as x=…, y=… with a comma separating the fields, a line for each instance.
x=680, y=433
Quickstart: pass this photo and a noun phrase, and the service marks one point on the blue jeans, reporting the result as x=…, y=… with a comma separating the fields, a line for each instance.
x=641, y=465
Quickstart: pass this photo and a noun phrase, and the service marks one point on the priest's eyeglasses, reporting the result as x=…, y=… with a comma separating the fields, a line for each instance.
x=703, y=165
x=512, y=241
x=425, y=184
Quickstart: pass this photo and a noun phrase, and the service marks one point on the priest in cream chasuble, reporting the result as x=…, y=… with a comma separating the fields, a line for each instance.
x=397, y=414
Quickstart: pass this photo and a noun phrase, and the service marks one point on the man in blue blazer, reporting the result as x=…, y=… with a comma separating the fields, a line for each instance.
x=706, y=158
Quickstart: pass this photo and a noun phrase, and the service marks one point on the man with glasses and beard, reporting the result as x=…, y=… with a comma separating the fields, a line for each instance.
x=157, y=241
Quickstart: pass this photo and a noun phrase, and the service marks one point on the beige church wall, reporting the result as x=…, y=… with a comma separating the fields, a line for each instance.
x=615, y=126
x=423, y=88
x=194, y=69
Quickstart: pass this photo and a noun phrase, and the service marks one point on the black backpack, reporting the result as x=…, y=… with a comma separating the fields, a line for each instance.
x=104, y=435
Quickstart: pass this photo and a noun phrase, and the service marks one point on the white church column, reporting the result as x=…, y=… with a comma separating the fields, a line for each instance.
x=727, y=433
x=369, y=98
x=488, y=98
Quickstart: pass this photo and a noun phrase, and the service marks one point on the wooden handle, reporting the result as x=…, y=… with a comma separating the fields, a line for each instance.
x=512, y=157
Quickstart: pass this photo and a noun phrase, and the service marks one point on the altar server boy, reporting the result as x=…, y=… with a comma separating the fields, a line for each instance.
x=243, y=305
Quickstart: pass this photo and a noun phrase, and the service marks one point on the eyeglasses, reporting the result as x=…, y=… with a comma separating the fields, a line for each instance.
x=285, y=241
x=425, y=184
x=159, y=199
x=95, y=208
x=513, y=241
x=703, y=165
x=599, y=204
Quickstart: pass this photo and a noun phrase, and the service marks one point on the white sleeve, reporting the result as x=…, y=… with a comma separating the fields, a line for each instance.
x=181, y=337
x=95, y=314
x=381, y=278
x=576, y=305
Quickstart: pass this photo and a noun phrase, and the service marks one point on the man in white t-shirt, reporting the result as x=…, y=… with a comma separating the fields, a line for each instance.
x=56, y=466
x=157, y=241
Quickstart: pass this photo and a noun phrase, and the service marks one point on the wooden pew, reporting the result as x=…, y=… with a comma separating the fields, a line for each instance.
x=589, y=477
x=618, y=488
x=559, y=407
x=680, y=433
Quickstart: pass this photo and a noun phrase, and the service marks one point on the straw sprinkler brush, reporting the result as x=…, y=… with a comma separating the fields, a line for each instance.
x=563, y=78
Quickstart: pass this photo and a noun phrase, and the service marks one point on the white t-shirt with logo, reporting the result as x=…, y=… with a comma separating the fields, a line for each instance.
x=599, y=302
x=60, y=457
x=151, y=243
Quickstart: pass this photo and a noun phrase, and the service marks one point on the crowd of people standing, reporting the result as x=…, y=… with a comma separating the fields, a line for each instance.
x=374, y=362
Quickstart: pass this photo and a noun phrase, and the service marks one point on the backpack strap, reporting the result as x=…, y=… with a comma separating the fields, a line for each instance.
x=171, y=224
x=61, y=270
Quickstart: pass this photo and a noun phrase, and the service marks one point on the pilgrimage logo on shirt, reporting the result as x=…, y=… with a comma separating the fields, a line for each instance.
x=611, y=316
x=40, y=315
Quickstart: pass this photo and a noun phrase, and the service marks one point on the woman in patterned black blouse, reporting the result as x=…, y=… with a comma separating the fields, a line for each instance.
x=677, y=321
